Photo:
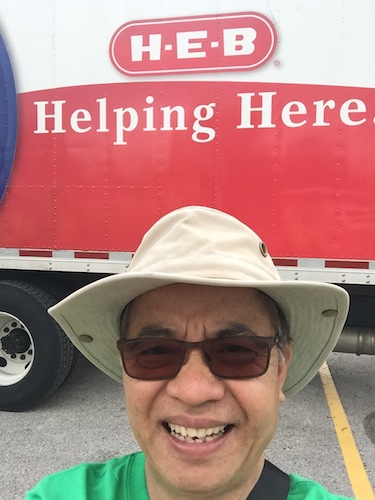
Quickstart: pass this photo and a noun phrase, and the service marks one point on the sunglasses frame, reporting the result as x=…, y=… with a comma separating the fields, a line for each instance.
x=269, y=342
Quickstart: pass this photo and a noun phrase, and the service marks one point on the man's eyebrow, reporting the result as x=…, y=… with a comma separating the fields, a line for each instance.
x=235, y=330
x=231, y=330
x=155, y=331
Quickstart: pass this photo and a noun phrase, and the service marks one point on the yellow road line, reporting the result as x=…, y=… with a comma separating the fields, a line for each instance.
x=357, y=475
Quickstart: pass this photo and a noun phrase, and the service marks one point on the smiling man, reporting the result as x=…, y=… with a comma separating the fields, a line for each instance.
x=203, y=430
x=207, y=341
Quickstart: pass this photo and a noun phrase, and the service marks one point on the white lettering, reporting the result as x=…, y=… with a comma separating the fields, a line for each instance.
x=56, y=116
x=80, y=115
x=292, y=109
x=121, y=127
x=186, y=48
x=239, y=41
x=256, y=110
x=179, y=112
x=203, y=113
x=265, y=109
x=320, y=107
x=149, y=112
x=153, y=48
x=349, y=107
x=102, y=115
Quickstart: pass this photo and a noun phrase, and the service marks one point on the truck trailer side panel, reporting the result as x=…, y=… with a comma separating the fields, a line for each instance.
x=111, y=116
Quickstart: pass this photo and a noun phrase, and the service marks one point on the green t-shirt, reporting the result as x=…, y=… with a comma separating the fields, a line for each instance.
x=124, y=479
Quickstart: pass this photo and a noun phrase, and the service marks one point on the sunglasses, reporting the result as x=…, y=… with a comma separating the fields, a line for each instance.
x=227, y=357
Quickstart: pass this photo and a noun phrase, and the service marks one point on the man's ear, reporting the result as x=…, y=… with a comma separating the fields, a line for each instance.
x=283, y=370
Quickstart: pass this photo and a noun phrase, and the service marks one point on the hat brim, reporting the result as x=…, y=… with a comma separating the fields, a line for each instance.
x=316, y=314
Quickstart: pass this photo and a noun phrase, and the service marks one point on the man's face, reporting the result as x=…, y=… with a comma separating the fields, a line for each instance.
x=240, y=416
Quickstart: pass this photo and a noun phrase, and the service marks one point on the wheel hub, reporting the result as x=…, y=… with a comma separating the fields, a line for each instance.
x=16, y=342
x=16, y=350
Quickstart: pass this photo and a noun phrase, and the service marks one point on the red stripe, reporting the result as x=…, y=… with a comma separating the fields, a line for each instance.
x=91, y=255
x=350, y=264
x=285, y=262
x=35, y=253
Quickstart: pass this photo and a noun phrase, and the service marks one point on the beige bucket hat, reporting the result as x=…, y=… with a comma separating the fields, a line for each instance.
x=204, y=246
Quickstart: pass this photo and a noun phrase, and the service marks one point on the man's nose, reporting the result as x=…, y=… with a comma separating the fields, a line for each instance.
x=194, y=383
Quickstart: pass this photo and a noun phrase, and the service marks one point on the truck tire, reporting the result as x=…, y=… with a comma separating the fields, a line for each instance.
x=35, y=354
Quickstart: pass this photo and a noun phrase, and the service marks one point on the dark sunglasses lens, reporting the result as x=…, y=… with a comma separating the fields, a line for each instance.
x=232, y=358
x=152, y=359
x=244, y=357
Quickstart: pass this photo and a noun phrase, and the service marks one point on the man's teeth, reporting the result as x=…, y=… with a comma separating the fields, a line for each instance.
x=192, y=435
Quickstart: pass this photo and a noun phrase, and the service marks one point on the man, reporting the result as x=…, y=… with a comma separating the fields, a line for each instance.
x=209, y=341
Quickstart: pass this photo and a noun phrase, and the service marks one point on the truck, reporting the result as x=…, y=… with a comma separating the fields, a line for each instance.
x=114, y=113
